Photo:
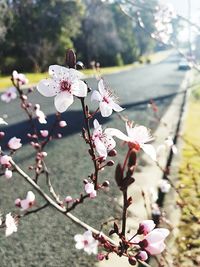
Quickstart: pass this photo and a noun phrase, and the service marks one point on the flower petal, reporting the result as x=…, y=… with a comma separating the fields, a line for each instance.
x=79, y=88
x=102, y=88
x=116, y=107
x=58, y=72
x=117, y=133
x=75, y=74
x=62, y=101
x=156, y=248
x=149, y=150
x=96, y=96
x=48, y=87
x=100, y=148
x=105, y=109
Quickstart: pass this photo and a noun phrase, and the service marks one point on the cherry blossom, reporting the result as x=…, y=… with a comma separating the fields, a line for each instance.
x=40, y=114
x=168, y=144
x=19, y=77
x=146, y=227
x=14, y=143
x=64, y=84
x=86, y=242
x=26, y=203
x=107, y=102
x=139, y=135
x=103, y=140
x=153, y=243
x=11, y=225
x=2, y=121
x=89, y=189
x=9, y=95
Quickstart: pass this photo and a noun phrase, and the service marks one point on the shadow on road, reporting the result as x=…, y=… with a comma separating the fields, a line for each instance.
x=74, y=120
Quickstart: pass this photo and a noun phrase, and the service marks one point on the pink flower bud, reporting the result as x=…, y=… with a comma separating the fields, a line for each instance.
x=2, y=134
x=142, y=255
x=8, y=174
x=18, y=202
x=44, y=154
x=62, y=124
x=68, y=199
x=100, y=257
x=59, y=135
x=145, y=227
x=44, y=133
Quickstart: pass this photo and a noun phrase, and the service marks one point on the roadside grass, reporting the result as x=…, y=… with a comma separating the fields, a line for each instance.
x=188, y=241
x=34, y=78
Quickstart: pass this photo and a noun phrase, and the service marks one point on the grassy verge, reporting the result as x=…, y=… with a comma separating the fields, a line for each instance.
x=188, y=241
x=34, y=78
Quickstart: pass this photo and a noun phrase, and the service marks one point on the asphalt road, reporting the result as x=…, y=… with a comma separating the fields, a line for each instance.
x=46, y=239
x=134, y=88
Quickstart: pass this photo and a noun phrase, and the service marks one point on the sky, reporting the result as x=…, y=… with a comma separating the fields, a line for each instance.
x=181, y=6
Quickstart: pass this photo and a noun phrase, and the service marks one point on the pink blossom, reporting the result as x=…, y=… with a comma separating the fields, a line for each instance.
x=28, y=202
x=142, y=255
x=62, y=124
x=44, y=133
x=11, y=225
x=5, y=160
x=146, y=227
x=19, y=77
x=14, y=143
x=138, y=137
x=107, y=102
x=89, y=189
x=64, y=84
x=86, y=242
x=9, y=95
x=153, y=243
x=8, y=173
x=40, y=114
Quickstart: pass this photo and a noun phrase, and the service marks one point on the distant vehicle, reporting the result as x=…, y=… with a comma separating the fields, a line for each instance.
x=184, y=65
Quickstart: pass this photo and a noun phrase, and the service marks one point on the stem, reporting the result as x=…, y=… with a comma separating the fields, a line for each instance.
x=96, y=167
x=62, y=210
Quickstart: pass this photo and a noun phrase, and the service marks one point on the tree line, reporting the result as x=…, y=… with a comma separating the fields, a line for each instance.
x=36, y=33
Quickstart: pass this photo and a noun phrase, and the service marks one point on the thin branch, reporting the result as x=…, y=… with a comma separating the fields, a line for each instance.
x=58, y=207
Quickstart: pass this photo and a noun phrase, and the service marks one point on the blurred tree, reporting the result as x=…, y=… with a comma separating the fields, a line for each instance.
x=41, y=31
x=99, y=39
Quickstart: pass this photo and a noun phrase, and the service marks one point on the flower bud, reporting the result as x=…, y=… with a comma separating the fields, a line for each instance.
x=8, y=174
x=112, y=153
x=142, y=255
x=62, y=124
x=2, y=134
x=132, y=261
x=110, y=163
x=106, y=184
x=68, y=199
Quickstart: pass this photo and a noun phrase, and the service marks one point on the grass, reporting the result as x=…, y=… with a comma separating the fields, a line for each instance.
x=188, y=241
x=34, y=78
